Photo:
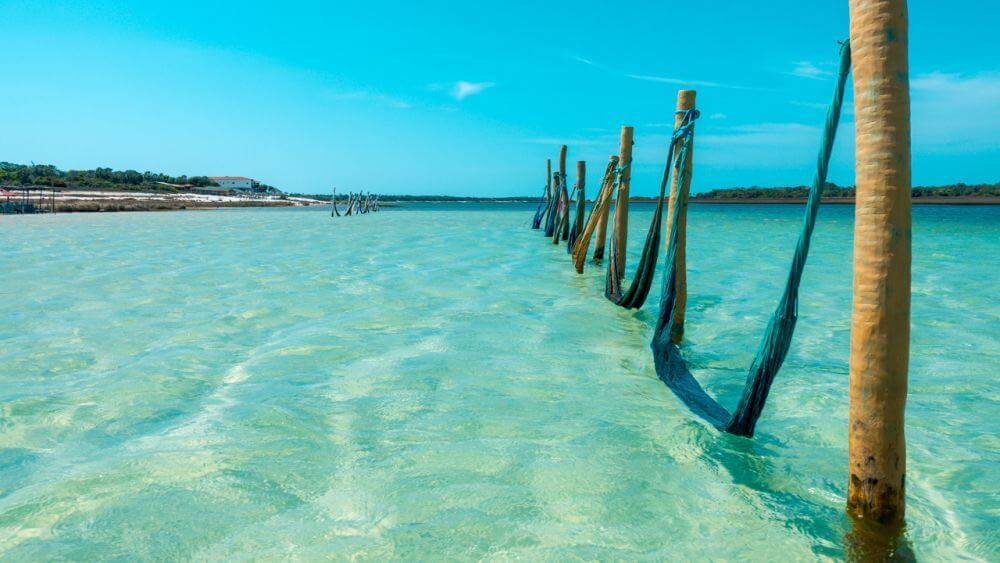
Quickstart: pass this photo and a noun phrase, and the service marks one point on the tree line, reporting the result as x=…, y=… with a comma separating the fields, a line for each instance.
x=98, y=178
x=834, y=191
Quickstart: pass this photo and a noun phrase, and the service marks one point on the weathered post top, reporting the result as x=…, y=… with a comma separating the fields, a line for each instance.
x=621, y=207
x=678, y=196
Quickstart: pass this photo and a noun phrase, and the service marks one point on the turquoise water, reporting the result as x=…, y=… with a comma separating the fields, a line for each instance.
x=436, y=382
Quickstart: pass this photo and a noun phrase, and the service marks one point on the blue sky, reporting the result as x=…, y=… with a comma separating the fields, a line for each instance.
x=471, y=97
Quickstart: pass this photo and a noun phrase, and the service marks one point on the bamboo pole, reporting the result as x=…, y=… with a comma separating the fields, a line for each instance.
x=548, y=182
x=562, y=203
x=556, y=193
x=581, y=196
x=621, y=207
x=602, y=221
x=565, y=193
x=599, y=210
x=679, y=196
x=880, y=317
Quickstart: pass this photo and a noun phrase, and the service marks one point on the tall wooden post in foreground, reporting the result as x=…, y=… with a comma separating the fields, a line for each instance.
x=621, y=207
x=880, y=317
x=602, y=220
x=679, y=196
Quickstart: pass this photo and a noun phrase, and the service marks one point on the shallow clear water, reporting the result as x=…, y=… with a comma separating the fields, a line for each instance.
x=436, y=382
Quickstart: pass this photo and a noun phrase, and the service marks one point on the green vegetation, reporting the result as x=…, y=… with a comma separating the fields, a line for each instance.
x=833, y=191
x=98, y=179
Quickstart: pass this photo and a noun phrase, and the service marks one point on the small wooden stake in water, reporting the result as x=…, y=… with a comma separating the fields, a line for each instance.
x=548, y=183
x=621, y=207
x=880, y=317
x=679, y=196
x=581, y=196
x=602, y=221
x=562, y=201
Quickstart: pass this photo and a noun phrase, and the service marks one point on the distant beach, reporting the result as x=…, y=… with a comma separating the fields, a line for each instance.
x=81, y=201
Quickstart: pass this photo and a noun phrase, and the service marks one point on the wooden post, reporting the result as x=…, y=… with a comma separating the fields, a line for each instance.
x=602, y=221
x=880, y=317
x=548, y=182
x=563, y=215
x=599, y=210
x=581, y=196
x=556, y=204
x=679, y=196
x=621, y=207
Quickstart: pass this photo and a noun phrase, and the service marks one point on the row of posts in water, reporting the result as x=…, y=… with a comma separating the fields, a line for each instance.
x=24, y=200
x=880, y=316
x=357, y=204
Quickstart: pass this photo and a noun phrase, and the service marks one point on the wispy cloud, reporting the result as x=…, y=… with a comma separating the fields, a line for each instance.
x=807, y=69
x=685, y=82
x=954, y=112
x=562, y=141
x=370, y=96
x=671, y=125
x=760, y=145
x=463, y=89
x=580, y=59
x=813, y=105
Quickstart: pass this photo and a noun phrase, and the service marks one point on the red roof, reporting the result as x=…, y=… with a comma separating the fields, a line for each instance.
x=217, y=178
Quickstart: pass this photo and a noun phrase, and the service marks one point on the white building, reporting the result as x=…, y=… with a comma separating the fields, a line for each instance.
x=234, y=182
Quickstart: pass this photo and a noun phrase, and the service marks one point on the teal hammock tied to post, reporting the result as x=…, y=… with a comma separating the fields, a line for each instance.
x=608, y=185
x=552, y=221
x=335, y=212
x=563, y=208
x=777, y=337
x=543, y=206
x=581, y=212
x=635, y=296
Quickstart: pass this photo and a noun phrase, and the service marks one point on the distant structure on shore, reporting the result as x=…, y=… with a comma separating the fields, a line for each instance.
x=235, y=182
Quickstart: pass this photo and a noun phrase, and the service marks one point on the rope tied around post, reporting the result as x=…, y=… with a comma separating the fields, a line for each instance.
x=777, y=337
x=635, y=296
x=598, y=213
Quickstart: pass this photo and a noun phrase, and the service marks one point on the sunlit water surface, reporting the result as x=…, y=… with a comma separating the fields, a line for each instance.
x=436, y=382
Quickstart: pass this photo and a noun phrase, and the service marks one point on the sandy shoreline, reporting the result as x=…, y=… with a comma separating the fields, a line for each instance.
x=83, y=201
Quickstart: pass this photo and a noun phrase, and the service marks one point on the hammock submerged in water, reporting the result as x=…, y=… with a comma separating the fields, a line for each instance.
x=602, y=204
x=777, y=337
x=635, y=295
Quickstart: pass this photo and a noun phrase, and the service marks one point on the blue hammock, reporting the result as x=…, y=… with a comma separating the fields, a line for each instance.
x=635, y=295
x=778, y=334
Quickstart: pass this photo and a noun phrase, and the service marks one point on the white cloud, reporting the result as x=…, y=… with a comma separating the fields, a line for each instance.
x=760, y=145
x=813, y=105
x=953, y=112
x=370, y=96
x=567, y=142
x=684, y=82
x=463, y=89
x=583, y=60
x=806, y=69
